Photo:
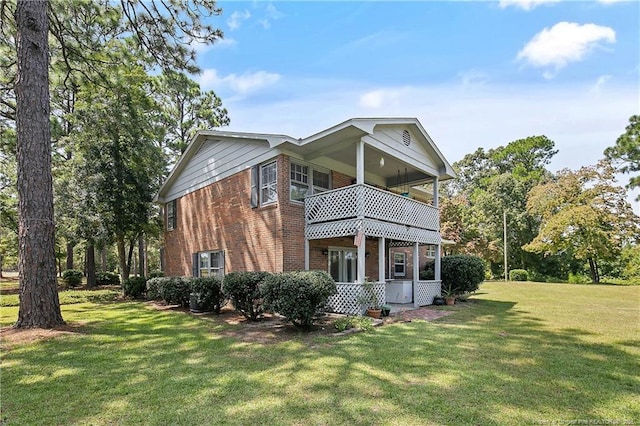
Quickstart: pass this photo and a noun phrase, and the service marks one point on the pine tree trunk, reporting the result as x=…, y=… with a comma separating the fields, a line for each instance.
x=103, y=259
x=39, y=303
x=142, y=261
x=69, y=256
x=91, y=265
x=122, y=259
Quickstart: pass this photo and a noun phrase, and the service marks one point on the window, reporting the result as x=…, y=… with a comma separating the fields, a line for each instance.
x=320, y=181
x=399, y=264
x=343, y=264
x=209, y=263
x=171, y=215
x=431, y=251
x=305, y=181
x=268, y=183
x=299, y=182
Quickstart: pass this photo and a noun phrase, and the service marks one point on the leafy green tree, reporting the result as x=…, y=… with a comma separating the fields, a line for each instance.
x=495, y=182
x=626, y=152
x=158, y=33
x=585, y=214
x=120, y=149
x=186, y=109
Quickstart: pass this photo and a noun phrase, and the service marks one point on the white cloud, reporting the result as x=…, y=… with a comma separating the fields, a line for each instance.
x=473, y=78
x=563, y=43
x=525, y=4
x=382, y=97
x=599, y=84
x=236, y=18
x=271, y=14
x=241, y=85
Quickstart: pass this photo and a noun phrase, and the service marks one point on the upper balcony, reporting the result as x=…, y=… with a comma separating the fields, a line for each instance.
x=375, y=212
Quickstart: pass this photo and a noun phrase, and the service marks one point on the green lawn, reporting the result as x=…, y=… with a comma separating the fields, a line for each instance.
x=517, y=353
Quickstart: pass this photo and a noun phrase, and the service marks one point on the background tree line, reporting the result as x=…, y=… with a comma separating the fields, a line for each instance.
x=96, y=104
x=559, y=226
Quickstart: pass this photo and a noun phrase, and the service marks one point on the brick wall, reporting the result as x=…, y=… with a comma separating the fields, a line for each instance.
x=219, y=217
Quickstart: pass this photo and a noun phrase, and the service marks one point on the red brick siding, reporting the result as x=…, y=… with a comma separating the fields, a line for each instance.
x=219, y=217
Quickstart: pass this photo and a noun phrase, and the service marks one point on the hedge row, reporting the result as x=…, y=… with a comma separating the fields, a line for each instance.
x=298, y=296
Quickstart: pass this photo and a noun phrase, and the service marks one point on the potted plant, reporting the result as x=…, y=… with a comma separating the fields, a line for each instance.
x=369, y=299
x=449, y=294
x=386, y=310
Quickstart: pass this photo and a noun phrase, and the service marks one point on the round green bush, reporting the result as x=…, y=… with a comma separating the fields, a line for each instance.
x=72, y=277
x=107, y=278
x=459, y=273
x=134, y=286
x=299, y=296
x=462, y=273
x=155, y=274
x=208, y=291
x=173, y=290
x=518, y=275
x=243, y=288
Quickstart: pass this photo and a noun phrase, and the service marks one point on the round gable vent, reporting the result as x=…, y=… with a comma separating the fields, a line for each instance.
x=406, y=137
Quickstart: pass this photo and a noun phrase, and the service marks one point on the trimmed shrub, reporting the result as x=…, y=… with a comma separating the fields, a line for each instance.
x=462, y=272
x=518, y=275
x=134, y=286
x=209, y=293
x=243, y=288
x=173, y=290
x=107, y=278
x=299, y=296
x=155, y=274
x=72, y=277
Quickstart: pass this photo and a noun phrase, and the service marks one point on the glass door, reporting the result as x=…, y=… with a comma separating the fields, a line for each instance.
x=343, y=264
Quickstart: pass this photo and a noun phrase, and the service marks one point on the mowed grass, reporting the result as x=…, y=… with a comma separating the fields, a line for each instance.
x=523, y=353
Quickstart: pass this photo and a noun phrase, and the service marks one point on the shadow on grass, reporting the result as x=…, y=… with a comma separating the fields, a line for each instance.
x=487, y=364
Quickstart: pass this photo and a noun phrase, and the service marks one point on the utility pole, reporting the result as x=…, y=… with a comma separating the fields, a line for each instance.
x=504, y=223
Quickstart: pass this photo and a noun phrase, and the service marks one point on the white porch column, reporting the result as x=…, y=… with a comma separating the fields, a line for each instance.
x=435, y=192
x=381, y=268
x=436, y=263
x=361, y=260
x=360, y=209
x=416, y=272
x=306, y=254
x=360, y=162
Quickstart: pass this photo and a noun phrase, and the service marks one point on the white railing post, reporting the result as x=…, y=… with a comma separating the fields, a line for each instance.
x=306, y=254
x=416, y=274
x=381, y=252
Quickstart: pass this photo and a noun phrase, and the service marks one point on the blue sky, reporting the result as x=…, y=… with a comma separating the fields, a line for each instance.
x=476, y=74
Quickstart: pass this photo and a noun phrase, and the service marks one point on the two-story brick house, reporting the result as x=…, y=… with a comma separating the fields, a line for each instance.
x=356, y=200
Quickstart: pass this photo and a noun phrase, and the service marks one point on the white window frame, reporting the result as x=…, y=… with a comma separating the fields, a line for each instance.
x=211, y=270
x=269, y=186
x=312, y=187
x=396, y=264
x=304, y=174
x=172, y=221
x=431, y=251
x=342, y=263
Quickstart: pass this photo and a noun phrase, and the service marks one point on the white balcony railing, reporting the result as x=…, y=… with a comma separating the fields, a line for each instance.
x=367, y=202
